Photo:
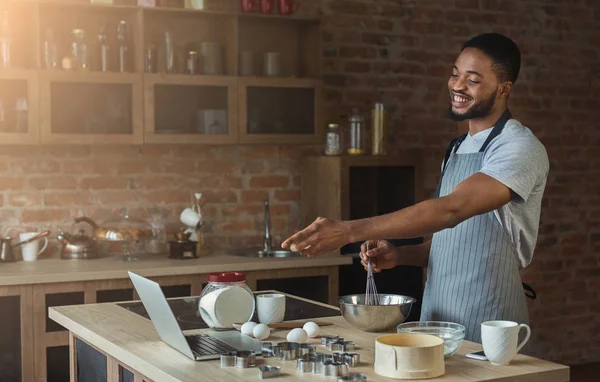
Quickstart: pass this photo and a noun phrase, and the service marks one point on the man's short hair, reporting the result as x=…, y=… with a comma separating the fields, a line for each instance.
x=505, y=54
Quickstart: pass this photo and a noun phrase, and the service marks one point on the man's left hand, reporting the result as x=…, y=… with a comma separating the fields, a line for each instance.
x=321, y=236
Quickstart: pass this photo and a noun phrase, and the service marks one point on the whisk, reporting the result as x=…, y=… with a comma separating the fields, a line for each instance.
x=371, y=296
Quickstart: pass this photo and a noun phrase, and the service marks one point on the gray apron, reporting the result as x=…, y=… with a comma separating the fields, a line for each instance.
x=473, y=271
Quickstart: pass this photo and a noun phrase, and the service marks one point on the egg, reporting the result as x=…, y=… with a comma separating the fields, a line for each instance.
x=297, y=335
x=261, y=332
x=311, y=328
x=248, y=328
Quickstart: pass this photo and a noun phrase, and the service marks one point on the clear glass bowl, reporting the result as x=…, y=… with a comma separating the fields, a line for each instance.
x=452, y=334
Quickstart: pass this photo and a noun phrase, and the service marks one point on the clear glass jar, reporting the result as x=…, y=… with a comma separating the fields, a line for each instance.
x=333, y=140
x=226, y=300
x=356, y=142
x=79, y=49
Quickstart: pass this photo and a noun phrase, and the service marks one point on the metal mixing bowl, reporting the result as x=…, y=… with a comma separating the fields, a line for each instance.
x=393, y=309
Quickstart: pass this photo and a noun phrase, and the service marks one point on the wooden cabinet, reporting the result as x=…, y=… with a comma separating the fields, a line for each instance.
x=16, y=331
x=256, y=80
x=92, y=107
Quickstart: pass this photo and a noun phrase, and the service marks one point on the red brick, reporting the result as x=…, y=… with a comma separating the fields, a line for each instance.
x=249, y=196
x=11, y=183
x=238, y=210
x=67, y=198
x=34, y=166
x=220, y=196
x=25, y=198
x=357, y=67
x=104, y=183
x=89, y=167
x=270, y=181
x=119, y=197
x=45, y=215
x=279, y=209
x=154, y=182
x=467, y=4
x=131, y=167
x=166, y=197
x=182, y=166
x=52, y=182
x=238, y=226
x=221, y=168
x=358, y=52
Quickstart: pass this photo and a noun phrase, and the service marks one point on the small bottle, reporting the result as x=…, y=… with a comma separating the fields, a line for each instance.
x=122, y=38
x=50, y=50
x=378, y=130
x=356, y=143
x=103, y=48
x=193, y=62
x=169, y=53
x=5, y=41
x=79, y=50
x=150, y=62
x=333, y=140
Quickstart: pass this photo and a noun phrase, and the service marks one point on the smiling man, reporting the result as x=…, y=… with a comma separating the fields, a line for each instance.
x=485, y=216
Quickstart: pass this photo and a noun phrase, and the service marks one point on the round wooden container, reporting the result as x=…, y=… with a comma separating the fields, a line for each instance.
x=409, y=356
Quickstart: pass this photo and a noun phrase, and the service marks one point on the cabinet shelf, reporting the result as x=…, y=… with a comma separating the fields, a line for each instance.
x=153, y=102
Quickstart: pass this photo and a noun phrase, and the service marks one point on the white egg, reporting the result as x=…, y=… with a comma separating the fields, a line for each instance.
x=297, y=335
x=261, y=332
x=311, y=328
x=248, y=328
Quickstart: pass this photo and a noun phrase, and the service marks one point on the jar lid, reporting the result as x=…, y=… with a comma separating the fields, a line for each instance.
x=226, y=277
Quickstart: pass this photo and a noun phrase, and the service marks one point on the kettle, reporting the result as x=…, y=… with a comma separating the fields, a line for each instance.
x=6, y=250
x=79, y=246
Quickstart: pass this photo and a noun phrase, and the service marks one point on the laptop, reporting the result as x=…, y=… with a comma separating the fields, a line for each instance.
x=199, y=347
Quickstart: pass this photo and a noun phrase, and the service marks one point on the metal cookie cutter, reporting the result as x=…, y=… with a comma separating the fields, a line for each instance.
x=353, y=377
x=341, y=346
x=277, y=351
x=326, y=340
x=244, y=359
x=335, y=369
x=268, y=371
x=307, y=348
x=305, y=365
x=228, y=359
x=267, y=349
x=320, y=361
x=289, y=350
x=352, y=359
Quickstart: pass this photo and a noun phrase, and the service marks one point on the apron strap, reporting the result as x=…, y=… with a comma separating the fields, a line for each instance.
x=532, y=295
x=452, y=146
x=455, y=144
x=498, y=126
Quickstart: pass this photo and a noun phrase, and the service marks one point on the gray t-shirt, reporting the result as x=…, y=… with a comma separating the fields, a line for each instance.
x=519, y=160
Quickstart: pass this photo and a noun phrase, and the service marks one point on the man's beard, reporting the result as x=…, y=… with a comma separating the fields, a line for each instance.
x=479, y=110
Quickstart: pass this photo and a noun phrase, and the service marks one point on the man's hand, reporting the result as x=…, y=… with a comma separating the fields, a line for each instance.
x=383, y=255
x=322, y=235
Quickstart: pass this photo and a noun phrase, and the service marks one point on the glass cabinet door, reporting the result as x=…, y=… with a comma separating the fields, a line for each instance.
x=182, y=109
x=280, y=111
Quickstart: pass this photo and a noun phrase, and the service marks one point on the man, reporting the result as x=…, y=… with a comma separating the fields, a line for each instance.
x=485, y=216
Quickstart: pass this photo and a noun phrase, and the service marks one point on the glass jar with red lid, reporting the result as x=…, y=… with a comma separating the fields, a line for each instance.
x=226, y=300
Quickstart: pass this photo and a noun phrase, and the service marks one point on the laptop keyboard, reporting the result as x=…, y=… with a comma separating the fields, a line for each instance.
x=204, y=344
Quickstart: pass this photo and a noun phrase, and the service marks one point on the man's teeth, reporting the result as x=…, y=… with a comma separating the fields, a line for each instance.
x=460, y=99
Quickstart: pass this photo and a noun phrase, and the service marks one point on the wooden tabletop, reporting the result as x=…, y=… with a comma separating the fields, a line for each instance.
x=132, y=340
x=57, y=270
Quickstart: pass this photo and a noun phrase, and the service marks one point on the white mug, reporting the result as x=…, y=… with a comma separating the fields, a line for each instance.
x=270, y=308
x=499, y=340
x=189, y=217
x=31, y=251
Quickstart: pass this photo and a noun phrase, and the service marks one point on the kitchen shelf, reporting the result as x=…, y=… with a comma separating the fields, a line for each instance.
x=295, y=37
x=190, y=109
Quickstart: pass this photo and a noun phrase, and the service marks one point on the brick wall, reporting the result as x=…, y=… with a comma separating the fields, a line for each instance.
x=399, y=52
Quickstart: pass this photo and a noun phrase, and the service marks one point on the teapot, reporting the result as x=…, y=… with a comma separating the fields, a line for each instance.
x=79, y=246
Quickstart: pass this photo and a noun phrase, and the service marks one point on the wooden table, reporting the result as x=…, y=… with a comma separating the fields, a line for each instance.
x=130, y=341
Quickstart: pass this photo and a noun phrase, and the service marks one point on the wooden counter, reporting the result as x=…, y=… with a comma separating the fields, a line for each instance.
x=130, y=341
x=108, y=268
